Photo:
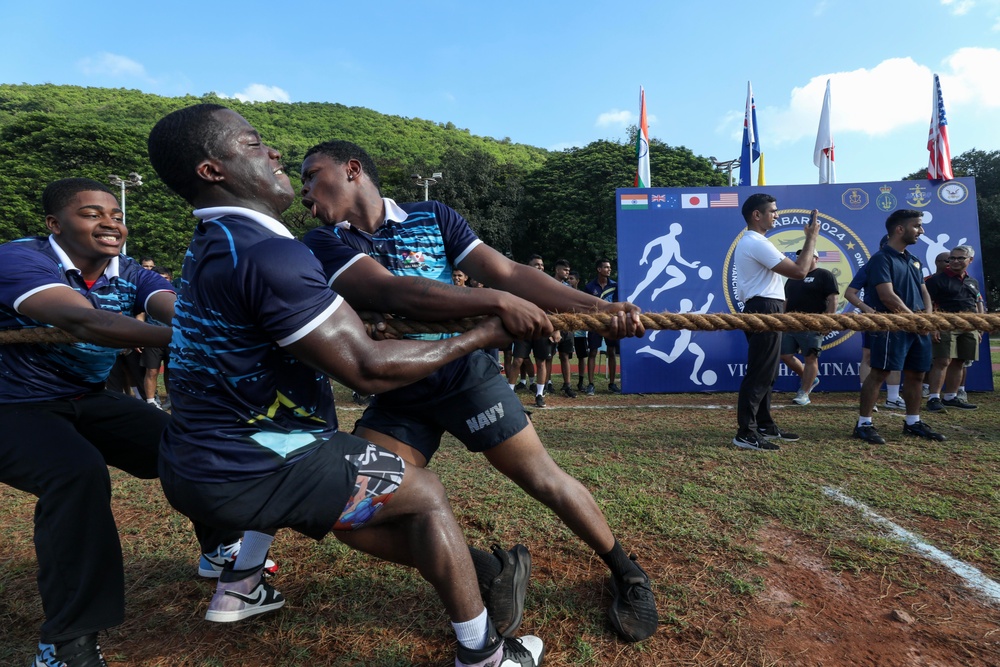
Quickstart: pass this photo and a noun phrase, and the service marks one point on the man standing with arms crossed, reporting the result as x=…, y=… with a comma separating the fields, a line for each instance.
x=759, y=268
x=896, y=285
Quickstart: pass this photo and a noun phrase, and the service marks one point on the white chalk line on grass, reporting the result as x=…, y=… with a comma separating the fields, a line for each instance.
x=972, y=576
x=645, y=406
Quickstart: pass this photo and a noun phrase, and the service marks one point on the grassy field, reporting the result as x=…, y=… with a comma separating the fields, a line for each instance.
x=753, y=562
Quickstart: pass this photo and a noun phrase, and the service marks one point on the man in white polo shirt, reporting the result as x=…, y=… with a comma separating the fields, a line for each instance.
x=759, y=270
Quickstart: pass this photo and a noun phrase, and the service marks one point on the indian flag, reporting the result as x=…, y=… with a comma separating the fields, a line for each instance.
x=634, y=202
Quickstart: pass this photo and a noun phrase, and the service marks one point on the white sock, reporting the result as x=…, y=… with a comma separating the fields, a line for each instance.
x=472, y=634
x=151, y=401
x=912, y=419
x=864, y=421
x=962, y=388
x=949, y=397
x=253, y=551
x=893, y=392
x=511, y=386
x=539, y=390
x=930, y=396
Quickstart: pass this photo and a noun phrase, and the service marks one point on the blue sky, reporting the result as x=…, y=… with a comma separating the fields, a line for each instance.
x=558, y=74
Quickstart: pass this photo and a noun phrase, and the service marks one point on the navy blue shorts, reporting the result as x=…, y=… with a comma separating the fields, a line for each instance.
x=900, y=351
x=481, y=411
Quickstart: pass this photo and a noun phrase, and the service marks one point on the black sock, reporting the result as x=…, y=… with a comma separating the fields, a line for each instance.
x=618, y=561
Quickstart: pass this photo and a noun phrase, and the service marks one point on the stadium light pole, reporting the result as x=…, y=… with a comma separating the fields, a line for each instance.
x=728, y=165
x=427, y=182
x=134, y=180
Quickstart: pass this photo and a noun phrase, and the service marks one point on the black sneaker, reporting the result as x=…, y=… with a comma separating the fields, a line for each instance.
x=533, y=387
x=959, y=403
x=935, y=405
x=80, y=652
x=539, y=401
x=520, y=386
x=633, y=607
x=549, y=389
x=504, y=593
x=568, y=391
x=868, y=433
x=772, y=432
x=500, y=651
x=579, y=385
x=614, y=389
x=922, y=430
x=751, y=440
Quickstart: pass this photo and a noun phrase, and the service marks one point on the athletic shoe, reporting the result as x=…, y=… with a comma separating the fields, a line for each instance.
x=925, y=391
x=212, y=564
x=80, y=652
x=549, y=389
x=520, y=386
x=504, y=593
x=500, y=651
x=868, y=433
x=539, y=401
x=579, y=385
x=590, y=390
x=813, y=385
x=614, y=389
x=633, y=607
x=533, y=387
x=922, y=430
x=935, y=405
x=568, y=391
x=752, y=441
x=801, y=398
x=959, y=403
x=772, y=432
x=241, y=594
x=898, y=404
x=962, y=395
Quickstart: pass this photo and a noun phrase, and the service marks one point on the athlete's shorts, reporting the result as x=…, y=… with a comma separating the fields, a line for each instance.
x=539, y=348
x=341, y=484
x=565, y=344
x=582, y=347
x=594, y=341
x=806, y=342
x=154, y=357
x=866, y=342
x=900, y=351
x=962, y=345
x=481, y=411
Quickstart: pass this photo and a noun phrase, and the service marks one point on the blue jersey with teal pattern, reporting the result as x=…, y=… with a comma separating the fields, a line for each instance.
x=425, y=239
x=243, y=406
x=41, y=372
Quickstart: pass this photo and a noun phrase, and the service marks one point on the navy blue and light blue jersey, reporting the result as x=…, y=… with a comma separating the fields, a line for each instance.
x=901, y=269
x=243, y=406
x=425, y=239
x=41, y=372
x=607, y=293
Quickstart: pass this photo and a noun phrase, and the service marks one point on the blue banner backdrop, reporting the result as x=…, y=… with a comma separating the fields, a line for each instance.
x=675, y=253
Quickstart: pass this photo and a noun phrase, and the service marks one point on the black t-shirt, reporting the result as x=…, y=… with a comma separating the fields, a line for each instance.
x=809, y=294
x=952, y=293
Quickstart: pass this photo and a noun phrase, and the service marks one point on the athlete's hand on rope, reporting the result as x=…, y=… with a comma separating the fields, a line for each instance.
x=375, y=324
x=493, y=332
x=523, y=319
x=625, y=321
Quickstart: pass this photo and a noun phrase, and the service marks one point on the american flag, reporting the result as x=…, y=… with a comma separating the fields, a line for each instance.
x=939, y=164
x=829, y=256
x=724, y=200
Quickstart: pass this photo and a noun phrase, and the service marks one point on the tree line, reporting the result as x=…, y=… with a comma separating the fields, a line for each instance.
x=519, y=199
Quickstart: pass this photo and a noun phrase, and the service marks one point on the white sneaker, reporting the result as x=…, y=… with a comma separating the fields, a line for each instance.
x=242, y=594
x=524, y=651
x=898, y=404
x=212, y=564
x=925, y=391
x=801, y=398
x=962, y=396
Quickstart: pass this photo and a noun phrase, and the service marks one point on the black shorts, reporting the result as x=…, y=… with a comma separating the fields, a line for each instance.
x=581, y=346
x=539, y=348
x=565, y=344
x=154, y=357
x=309, y=496
x=481, y=411
x=594, y=341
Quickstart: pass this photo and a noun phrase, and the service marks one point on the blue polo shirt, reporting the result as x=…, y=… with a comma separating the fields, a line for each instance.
x=243, y=406
x=425, y=239
x=607, y=293
x=41, y=372
x=901, y=269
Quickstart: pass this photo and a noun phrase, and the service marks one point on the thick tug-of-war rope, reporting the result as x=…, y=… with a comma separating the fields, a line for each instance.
x=915, y=322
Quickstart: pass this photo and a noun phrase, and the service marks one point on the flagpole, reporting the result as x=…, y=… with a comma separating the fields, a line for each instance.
x=823, y=151
x=642, y=179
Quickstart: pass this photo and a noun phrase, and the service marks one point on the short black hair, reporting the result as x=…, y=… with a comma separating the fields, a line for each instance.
x=182, y=139
x=575, y=273
x=598, y=263
x=562, y=262
x=900, y=217
x=162, y=269
x=342, y=152
x=536, y=256
x=59, y=193
x=754, y=202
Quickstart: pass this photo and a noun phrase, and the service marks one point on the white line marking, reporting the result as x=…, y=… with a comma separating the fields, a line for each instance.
x=972, y=576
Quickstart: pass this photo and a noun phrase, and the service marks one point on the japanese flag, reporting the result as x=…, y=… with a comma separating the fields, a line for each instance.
x=697, y=200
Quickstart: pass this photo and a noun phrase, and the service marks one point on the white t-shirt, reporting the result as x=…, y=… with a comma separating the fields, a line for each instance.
x=755, y=256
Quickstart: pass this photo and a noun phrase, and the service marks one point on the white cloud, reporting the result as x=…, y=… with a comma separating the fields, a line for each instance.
x=893, y=94
x=959, y=7
x=110, y=64
x=258, y=92
x=616, y=118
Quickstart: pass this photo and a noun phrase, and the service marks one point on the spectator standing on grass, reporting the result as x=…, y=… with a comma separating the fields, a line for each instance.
x=580, y=345
x=953, y=290
x=467, y=399
x=152, y=357
x=895, y=283
x=759, y=270
x=605, y=289
x=539, y=348
x=564, y=343
x=816, y=293
x=263, y=448
x=61, y=428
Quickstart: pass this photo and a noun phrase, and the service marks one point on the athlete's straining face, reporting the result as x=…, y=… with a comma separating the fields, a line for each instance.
x=329, y=188
x=253, y=170
x=89, y=228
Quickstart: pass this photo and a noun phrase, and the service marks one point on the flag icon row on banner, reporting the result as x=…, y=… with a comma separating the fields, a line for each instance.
x=641, y=202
